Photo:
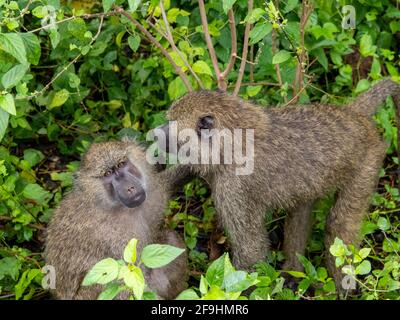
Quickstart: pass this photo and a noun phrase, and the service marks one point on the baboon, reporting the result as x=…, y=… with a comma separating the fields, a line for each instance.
x=117, y=196
x=301, y=154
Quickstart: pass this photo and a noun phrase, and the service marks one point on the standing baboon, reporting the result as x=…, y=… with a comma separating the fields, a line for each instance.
x=116, y=197
x=300, y=154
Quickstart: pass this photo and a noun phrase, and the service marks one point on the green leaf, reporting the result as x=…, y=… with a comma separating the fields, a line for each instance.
x=364, y=252
x=102, y=272
x=364, y=267
x=308, y=267
x=188, y=294
x=176, y=88
x=25, y=281
x=383, y=224
x=130, y=251
x=215, y=272
x=35, y=192
x=338, y=248
x=111, y=291
x=59, y=98
x=66, y=178
x=10, y=266
x=133, y=278
x=215, y=293
x=281, y=56
x=253, y=90
x=362, y=85
x=203, y=285
x=14, y=75
x=32, y=47
x=33, y=156
x=239, y=281
x=159, y=255
x=107, y=4
x=134, y=42
x=259, y=32
x=254, y=15
x=366, y=46
x=227, y=5
x=296, y=274
x=133, y=5
x=202, y=68
x=7, y=104
x=40, y=12
x=13, y=44
x=4, y=116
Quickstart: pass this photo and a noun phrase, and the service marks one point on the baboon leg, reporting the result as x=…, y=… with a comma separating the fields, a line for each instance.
x=246, y=231
x=346, y=216
x=298, y=223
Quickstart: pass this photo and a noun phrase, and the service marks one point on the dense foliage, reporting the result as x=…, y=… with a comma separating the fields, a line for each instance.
x=71, y=74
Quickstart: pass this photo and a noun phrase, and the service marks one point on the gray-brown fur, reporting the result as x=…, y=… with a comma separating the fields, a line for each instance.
x=301, y=154
x=90, y=225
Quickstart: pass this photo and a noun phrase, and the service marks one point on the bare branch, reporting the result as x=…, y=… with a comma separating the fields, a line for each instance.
x=170, y=39
x=153, y=40
x=298, y=81
x=210, y=46
x=232, y=59
x=251, y=76
x=245, y=49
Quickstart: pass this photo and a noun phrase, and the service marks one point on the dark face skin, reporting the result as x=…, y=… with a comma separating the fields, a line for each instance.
x=205, y=122
x=126, y=182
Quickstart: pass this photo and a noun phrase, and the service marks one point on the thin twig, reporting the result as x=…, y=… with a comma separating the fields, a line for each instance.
x=210, y=46
x=232, y=59
x=153, y=40
x=251, y=75
x=296, y=97
x=245, y=49
x=170, y=39
x=298, y=81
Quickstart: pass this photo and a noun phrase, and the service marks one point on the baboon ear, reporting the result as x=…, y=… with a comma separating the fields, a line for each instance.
x=206, y=122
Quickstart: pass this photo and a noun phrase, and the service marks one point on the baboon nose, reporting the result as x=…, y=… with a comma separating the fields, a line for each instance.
x=131, y=190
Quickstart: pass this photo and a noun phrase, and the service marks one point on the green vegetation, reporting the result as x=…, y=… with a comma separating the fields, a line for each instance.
x=75, y=72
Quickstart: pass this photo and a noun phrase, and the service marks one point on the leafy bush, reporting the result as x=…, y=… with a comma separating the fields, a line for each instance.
x=71, y=74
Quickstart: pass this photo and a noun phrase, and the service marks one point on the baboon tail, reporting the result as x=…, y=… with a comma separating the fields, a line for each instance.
x=368, y=102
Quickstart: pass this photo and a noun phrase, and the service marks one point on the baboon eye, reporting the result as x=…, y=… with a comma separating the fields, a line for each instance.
x=108, y=173
x=206, y=122
x=121, y=164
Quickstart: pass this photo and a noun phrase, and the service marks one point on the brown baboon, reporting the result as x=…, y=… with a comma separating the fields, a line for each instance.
x=300, y=154
x=117, y=196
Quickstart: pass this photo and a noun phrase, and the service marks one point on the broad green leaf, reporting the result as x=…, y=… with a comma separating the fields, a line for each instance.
x=33, y=156
x=338, y=248
x=203, y=285
x=215, y=293
x=102, y=272
x=364, y=252
x=363, y=268
x=308, y=267
x=130, y=251
x=4, y=116
x=362, y=85
x=202, y=68
x=7, y=103
x=176, y=88
x=10, y=266
x=159, y=255
x=383, y=223
x=253, y=90
x=227, y=5
x=40, y=11
x=133, y=5
x=107, y=4
x=239, y=281
x=13, y=44
x=366, y=46
x=32, y=47
x=134, y=279
x=188, y=294
x=14, y=75
x=281, y=56
x=254, y=15
x=59, y=98
x=35, y=192
x=259, y=32
x=134, y=42
x=215, y=272
x=111, y=291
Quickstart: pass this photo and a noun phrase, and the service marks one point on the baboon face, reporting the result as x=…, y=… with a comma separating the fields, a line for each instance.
x=203, y=112
x=118, y=174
